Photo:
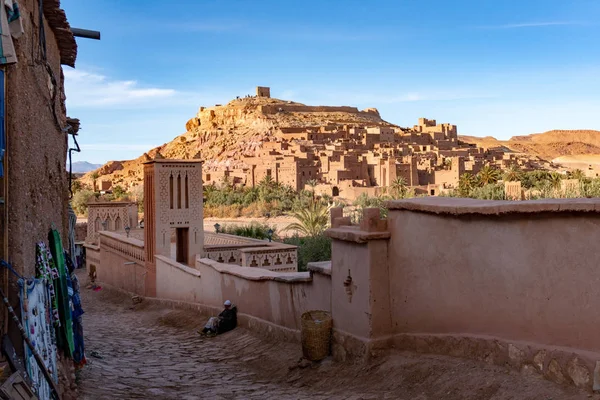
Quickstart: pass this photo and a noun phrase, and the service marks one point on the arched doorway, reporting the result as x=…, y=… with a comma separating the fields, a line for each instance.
x=335, y=191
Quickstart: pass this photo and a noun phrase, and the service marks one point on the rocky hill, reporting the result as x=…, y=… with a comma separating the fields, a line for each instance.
x=224, y=133
x=548, y=145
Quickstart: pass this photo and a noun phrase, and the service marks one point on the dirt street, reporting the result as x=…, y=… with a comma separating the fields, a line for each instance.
x=148, y=351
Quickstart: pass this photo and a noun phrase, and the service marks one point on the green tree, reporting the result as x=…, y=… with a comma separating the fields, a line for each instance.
x=466, y=183
x=513, y=174
x=555, y=180
x=491, y=191
x=398, y=187
x=311, y=220
x=119, y=192
x=312, y=183
x=267, y=182
x=95, y=175
x=487, y=175
x=76, y=185
x=577, y=174
x=532, y=179
x=80, y=201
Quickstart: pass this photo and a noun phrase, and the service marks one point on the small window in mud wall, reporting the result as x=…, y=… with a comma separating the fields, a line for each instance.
x=432, y=192
x=268, y=172
x=207, y=177
x=302, y=173
x=171, y=192
x=309, y=173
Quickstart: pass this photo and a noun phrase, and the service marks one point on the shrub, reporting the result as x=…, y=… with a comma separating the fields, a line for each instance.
x=491, y=191
x=80, y=200
x=254, y=230
x=310, y=249
x=223, y=211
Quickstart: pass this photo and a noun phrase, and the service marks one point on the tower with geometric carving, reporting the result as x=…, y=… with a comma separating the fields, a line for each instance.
x=172, y=207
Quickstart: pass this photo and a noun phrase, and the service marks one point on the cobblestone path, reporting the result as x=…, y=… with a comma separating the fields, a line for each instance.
x=150, y=352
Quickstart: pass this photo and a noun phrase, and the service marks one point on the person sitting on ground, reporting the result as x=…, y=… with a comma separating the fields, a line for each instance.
x=226, y=321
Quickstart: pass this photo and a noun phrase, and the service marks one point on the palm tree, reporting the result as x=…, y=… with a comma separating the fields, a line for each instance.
x=578, y=174
x=267, y=182
x=513, y=174
x=312, y=220
x=466, y=183
x=312, y=183
x=398, y=187
x=487, y=175
x=555, y=180
x=95, y=176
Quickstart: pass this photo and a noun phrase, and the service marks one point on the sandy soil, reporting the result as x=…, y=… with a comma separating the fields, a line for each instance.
x=581, y=161
x=280, y=223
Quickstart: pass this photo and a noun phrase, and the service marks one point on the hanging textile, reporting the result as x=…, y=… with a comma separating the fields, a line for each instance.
x=45, y=269
x=72, y=223
x=64, y=334
x=37, y=322
x=76, y=314
x=11, y=26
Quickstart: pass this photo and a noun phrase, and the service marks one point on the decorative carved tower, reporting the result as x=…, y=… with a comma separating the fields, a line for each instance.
x=172, y=203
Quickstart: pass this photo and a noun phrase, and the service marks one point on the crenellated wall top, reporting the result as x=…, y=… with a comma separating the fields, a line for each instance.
x=462, y=206
x=256, y=274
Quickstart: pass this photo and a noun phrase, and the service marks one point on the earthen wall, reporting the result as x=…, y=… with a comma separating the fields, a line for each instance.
x=36, y=148
x=272, y=109
x=465, y=274
x=278, y=298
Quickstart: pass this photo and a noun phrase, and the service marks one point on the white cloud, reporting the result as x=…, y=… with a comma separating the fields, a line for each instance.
x=530, y=25
x=92, y=90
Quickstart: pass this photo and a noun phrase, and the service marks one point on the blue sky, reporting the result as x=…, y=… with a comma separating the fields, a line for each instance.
x=499, y=68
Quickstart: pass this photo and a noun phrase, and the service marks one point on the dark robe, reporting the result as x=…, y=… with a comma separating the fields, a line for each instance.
x=227, y=320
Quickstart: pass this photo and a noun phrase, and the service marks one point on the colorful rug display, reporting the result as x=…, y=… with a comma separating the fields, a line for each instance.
x=51, y=313
x=37, y=319
x=64, y=335
x=76, y=313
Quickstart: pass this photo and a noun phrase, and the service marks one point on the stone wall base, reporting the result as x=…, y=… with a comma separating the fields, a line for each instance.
x=67, y=385
x=558, y=364
x=565, y=366
x=348, y=347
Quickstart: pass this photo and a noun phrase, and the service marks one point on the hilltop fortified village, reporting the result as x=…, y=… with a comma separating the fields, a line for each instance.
x=340, y=150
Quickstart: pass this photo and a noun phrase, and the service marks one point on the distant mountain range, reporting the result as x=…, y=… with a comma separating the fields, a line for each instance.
x=82, y=167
